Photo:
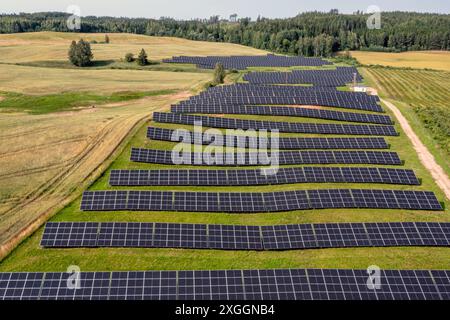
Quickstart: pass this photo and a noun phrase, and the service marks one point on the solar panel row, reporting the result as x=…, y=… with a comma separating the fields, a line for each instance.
x=278, y=284
x=243, y=62
x=328, y=78
x=236, y=237
x=190, y=137
x=286, y=111
x=248, y=94
x=257, y=202
x=169, y=157
x=292, y=127
x=261, y=176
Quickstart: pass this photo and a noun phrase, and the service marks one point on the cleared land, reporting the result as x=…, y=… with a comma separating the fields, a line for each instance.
x=439, y=60
x=48, y=158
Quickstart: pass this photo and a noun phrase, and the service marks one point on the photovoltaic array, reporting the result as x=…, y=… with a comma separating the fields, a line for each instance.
x=235, y=202
x=190, y=137
x=249, y=94
x=289, y=127
x=261, y=176
x=265, y=94
x=277, y=284
x=244, y=62
x=262, y=158
x=328, y=78
x=237, y=237
x=286, y=111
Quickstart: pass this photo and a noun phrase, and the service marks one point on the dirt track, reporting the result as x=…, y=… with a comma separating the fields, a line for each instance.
x=425, y=156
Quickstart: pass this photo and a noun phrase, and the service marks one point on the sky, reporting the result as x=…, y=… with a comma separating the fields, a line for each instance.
x=187, y=9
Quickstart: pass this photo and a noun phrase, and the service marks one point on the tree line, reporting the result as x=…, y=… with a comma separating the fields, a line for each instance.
x=309, y=34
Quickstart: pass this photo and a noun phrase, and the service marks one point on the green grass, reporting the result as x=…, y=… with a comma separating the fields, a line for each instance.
x=116, y=65
x=30, y=257
x=41, y=104
x=422, y=97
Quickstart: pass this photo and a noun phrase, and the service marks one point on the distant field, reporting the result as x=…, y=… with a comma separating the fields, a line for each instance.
x=48, y=46
x=35, y=80
x=439, y=60
x=424, y=97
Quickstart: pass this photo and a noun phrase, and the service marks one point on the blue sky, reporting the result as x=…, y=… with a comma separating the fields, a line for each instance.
x=186, y=9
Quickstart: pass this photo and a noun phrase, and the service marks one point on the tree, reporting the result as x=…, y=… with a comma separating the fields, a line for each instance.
x=129, y=57
x=142, y=58
x=106, y=38
x=80, y=54
x=219, y=73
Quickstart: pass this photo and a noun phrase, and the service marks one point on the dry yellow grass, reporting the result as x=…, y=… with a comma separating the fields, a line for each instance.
x=439, y=60
x=47, y=46
x=45, y=158
x=35, y=80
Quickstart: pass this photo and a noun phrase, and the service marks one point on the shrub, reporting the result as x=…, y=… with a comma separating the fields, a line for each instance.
x=142, y=59
x=80, y=54
x=129, y=57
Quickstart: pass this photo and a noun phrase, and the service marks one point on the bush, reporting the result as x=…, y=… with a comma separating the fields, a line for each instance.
x=142, y=59
x=129, y=57
x=80, y=54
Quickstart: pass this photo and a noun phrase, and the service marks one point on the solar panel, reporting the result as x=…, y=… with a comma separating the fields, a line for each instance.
x=262, y=202
x=243, y=62
x=253, y=96
x=289, y=127
x=260, y=158
x=257, y=176
x=283, y=143
x=277, y=284
x=237, y=237
x=329, y=78
x=285, y=111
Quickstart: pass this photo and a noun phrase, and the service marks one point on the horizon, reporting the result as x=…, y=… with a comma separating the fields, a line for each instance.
x=204, y=9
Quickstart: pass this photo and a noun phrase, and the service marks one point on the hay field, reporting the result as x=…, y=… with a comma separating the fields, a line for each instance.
x=46, y=160
x=35, y=80
x=439, y=60
x=50, y=46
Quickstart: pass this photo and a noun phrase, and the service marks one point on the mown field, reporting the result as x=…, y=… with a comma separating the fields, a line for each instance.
x=29, y=256
x=423, y=96
x=439, y=60
x=60, y=128
x=53, y=46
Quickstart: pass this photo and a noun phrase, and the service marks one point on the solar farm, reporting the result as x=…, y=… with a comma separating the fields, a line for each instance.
x=346, y=187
